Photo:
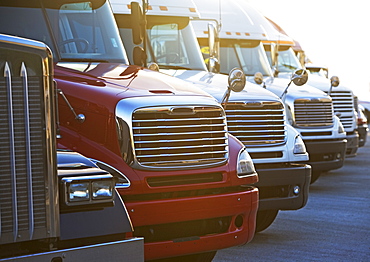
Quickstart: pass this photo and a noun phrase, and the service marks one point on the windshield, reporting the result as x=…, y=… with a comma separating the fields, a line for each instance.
x=75, y=31
x=171, y=42
x=247, y=55
x=323, y=72
x=173, y=45
x=287, y=60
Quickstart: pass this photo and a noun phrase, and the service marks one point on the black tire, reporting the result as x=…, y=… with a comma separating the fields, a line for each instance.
x=314, y=176
x=202, y=257
x=265, y=219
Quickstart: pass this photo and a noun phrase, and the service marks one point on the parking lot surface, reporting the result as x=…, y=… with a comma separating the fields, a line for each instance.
x=333, y=226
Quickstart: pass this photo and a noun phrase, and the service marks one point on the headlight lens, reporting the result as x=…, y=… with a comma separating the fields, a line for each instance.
x=78, y=192
x=299, y=146
x=245, y=164
x=102, y=190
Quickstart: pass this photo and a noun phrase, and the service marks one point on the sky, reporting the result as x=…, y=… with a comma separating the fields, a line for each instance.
x=334, y=33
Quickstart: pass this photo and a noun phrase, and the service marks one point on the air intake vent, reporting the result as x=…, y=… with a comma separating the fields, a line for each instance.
x=180, y=137
x=313, y=113
x=257, y=124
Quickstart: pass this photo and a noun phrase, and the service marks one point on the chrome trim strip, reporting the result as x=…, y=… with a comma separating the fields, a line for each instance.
x=23, y=75
x=187, y=133
x=8, y=77
x=178, y=119
x=179, y=126
x=178, y=147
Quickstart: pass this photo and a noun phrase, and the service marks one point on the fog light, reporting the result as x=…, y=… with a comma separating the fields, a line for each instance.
x=339, y=156
x=296, y=190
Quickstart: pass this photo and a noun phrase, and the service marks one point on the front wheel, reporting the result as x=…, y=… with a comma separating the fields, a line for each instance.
x=265, y=219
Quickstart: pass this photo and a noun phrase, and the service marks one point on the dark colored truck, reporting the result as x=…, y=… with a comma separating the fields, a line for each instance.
x=53, y=206
x=190, y=183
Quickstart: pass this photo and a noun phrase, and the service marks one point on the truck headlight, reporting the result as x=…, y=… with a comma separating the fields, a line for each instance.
x=102, y=190
x=245, y=164
x=299, y=146
x=87, y=190
x=78, y=191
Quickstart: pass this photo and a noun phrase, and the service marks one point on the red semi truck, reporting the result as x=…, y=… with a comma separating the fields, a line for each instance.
x=190, y=184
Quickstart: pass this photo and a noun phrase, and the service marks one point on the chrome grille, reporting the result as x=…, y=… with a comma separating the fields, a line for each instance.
x=257, y=124
x=22, y=175
x=343, y=104
x=313, y=112
x=178, y=137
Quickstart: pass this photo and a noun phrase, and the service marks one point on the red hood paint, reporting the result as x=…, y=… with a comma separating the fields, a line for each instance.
x=122, y=81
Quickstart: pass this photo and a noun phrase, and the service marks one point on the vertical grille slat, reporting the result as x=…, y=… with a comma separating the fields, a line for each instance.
x=261, y=125
x=23, y=214
x=186, y=138
x=313, y=113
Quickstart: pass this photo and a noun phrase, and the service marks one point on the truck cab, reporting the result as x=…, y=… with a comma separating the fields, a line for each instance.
x=55, y=206
x=277, y=149
x=242, y=45
x=190, y=184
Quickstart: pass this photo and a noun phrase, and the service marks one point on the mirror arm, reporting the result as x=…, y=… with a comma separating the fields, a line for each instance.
x=285, y=91
x=225, y=98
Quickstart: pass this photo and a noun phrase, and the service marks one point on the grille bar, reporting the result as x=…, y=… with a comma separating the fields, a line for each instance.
x=263, y=125
x=141, y=128
x=180, y=137
x=313, y=113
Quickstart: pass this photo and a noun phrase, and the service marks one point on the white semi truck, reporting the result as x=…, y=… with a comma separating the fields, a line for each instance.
x=309, y=110
x=255, y=116
x=343, y=97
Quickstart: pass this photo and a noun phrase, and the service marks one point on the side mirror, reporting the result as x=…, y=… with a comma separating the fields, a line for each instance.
x=258, y=78
x=213, y=63
x=212, y=34
x=300, y=77
x=139, y=56
x=136, y=23
x=153, y=66
x=236, y=82
x=334, y=82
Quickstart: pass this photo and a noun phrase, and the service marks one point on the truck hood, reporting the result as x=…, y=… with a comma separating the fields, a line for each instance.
x=278, y=84
x=216, y=85
x=124, y=80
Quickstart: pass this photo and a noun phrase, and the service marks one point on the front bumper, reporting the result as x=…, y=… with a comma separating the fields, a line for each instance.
x=362, y=132
x=165, y=224
x=352, y=144
x=276, y=184
x=124, y=250
x=326, y=155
